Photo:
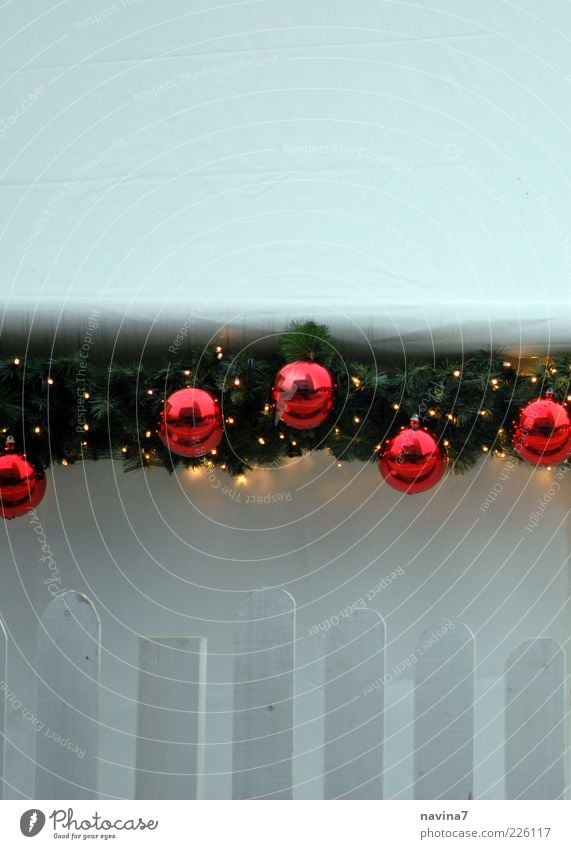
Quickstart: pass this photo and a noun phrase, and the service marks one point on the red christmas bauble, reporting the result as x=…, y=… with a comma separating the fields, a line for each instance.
x=191, y=422
x=22, y=483
x=303, y=394
x=543, y=432
x=413, y=461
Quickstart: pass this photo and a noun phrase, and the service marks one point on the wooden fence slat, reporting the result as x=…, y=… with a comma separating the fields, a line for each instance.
x=3, y=667
x=444, y=713
x=170, y=718
x=264, y=635
x=535, y=721
x=67, y=699
x=354, y=704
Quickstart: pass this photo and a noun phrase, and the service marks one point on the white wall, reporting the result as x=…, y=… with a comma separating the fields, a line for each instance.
x=162, y=555
x=398, y=171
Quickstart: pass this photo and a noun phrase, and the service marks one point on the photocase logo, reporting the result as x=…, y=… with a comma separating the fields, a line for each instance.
x=32, y=822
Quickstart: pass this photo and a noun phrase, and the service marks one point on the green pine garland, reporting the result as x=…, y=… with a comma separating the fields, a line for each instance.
x=469, y=404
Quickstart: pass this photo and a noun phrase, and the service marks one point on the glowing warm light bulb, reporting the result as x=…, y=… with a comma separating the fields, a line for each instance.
x=457, y=372
x=236, y=381
x=86, y=427
x=37, y=429
x=396, y=406
x=16, y=361
x=50, y=381
x=534, y=379
x=86, y=395
x=261, y=440
x=124, y=449
x=148, y=434
x=356, y=419
x=485, y=448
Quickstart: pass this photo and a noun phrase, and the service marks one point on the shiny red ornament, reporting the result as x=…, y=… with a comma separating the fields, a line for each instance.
x=22, y=483
x=543, y=432
x=191, y=422
x=413, y=461
x=303, y=394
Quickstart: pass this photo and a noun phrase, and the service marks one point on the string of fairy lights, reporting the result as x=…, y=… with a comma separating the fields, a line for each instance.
x=470, y=404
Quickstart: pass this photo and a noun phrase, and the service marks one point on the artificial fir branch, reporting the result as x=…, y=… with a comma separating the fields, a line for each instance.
x=307, y=340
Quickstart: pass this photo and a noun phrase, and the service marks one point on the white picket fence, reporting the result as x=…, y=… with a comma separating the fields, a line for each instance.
x=170, y=744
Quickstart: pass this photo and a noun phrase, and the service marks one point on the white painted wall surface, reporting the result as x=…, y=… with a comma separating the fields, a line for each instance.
x=175, y=556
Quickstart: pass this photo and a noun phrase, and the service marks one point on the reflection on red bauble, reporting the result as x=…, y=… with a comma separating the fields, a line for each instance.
x=303, y=394
x=191, y=422
x=542, y=433
x=22, y=483
x=413, y=461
